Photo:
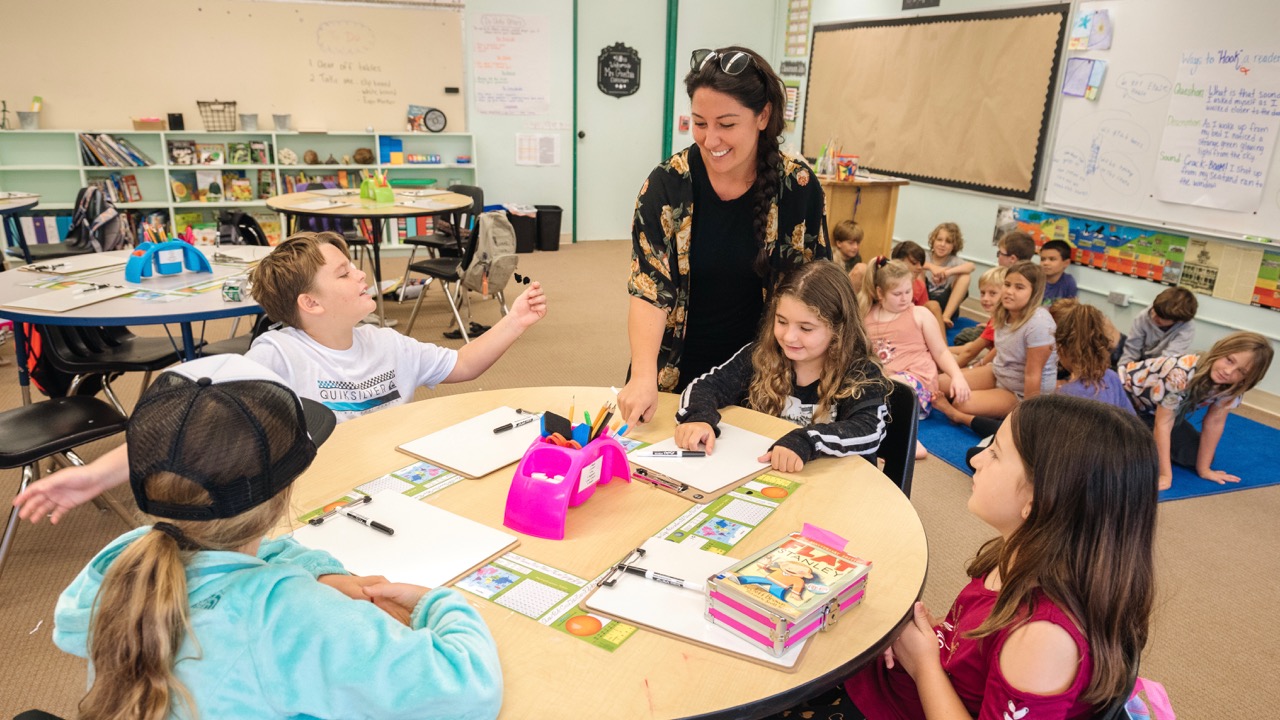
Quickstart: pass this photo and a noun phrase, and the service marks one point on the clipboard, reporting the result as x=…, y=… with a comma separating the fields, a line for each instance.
x=703, y=479
x=71, y=298
x=431, y=547
x=678, y=612
x=471, y=448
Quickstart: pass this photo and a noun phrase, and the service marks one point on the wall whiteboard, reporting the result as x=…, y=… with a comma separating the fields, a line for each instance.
x=1106, y=153
x=331, y=66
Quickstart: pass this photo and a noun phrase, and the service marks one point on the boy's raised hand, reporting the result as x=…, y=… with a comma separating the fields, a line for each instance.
x=530, y=307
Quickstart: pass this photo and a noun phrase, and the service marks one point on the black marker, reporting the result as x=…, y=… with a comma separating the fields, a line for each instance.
x=671, y=454
x=512, y=425
x=366, y=521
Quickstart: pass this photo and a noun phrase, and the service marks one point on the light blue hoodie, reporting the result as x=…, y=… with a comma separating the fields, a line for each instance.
x=268, y=641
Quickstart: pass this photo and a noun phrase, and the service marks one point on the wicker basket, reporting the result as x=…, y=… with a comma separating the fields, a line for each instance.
x=218, y=116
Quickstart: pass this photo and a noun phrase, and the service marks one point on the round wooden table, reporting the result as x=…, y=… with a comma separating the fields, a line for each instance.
x=549, y=674
x=351, y=207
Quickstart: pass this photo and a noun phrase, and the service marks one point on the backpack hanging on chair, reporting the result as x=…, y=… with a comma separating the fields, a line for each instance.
x=495, y=257
x=96, y=223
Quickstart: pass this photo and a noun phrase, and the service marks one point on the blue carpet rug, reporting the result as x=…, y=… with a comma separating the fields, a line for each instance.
x=1238, y=454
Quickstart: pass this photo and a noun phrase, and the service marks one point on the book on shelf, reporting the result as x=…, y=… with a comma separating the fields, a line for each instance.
x=260, y=152
x=241, y=190
x=118, y=188
x=211, y=153
x=266, y=185
x=414, y=227
x=184, y=220
x=131, y=190
x=182, y=152
x=143, y=159
x=238, y=153
x=209, y=185
x=182, y=185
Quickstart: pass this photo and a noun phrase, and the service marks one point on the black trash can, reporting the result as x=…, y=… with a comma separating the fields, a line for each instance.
x=549, y=226
x=526, y=227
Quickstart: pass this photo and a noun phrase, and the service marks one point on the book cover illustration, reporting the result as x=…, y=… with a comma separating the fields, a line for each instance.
x=260, y=152
x=182, y=152
x=211, y=153
x=266, y=185
x=238, y=153
x=795, y=576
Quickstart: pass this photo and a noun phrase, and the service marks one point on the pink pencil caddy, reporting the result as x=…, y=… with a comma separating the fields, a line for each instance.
x=550, y=479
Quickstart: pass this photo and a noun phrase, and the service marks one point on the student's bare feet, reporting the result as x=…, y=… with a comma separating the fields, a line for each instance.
x=953, y=414
x=921, y=453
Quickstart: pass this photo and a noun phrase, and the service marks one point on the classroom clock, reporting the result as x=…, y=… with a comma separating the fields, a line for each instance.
x=434, y=120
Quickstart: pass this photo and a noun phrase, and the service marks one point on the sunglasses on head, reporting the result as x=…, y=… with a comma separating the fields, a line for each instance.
x=731, y=63
x=523, y=279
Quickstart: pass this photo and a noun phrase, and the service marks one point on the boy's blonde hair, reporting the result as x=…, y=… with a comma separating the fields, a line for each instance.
x=994, y=276
x=1035, y=276
x=847, y=231
x=289, y=271
x=957, y=239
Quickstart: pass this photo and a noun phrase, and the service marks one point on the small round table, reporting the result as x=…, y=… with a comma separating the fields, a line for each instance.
x=311, y=204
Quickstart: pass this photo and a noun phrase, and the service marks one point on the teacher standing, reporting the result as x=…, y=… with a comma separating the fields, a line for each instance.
x=699, y=280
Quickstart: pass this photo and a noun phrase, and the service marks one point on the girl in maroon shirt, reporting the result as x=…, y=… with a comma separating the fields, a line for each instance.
x=1054, y=619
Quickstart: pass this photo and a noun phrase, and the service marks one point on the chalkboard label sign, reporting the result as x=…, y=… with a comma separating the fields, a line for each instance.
x=618, y=71
x=791, y=68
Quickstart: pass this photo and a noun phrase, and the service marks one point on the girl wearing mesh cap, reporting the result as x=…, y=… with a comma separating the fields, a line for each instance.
x=234, y=625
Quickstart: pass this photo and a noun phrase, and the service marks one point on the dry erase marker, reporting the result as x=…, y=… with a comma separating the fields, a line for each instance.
x=366, y=521
x=651, y=575
x=672, y=454
x=512, y=425
x=358, y=501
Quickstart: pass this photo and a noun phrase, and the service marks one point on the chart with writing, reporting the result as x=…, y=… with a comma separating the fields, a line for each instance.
x=1220, y=129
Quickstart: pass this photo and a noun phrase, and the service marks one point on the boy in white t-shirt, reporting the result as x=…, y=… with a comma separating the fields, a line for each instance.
x=309, y=283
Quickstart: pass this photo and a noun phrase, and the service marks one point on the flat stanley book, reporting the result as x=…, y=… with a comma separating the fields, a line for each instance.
x=794, y=575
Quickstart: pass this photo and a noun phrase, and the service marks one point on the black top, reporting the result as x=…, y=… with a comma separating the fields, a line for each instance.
x=856, y=426
x=727, y=300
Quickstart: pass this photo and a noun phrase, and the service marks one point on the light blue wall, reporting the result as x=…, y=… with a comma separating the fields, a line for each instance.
x=921, y=207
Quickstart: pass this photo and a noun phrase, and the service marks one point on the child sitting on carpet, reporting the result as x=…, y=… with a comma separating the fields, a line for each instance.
x=1057, y=612
x=1165, y=390
x=913, y=255
x=905, y=337
x=1084, y=351
x=947, y=275
x=971, y=342
x=810, y=364
x=1025, y=364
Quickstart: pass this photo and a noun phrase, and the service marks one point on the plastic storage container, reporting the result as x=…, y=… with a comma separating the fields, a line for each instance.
x=549, y=226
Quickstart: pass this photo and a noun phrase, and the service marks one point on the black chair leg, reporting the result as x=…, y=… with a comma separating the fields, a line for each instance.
x=28, y=474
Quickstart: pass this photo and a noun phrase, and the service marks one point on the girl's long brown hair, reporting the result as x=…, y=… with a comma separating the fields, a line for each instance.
x=141, y=614
x=1033, y=275
x=1087, y=542
x=1201, y=387
x=824, y=288
x=1084, y=347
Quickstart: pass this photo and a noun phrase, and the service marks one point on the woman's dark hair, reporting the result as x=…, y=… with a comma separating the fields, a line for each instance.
x=757, y=87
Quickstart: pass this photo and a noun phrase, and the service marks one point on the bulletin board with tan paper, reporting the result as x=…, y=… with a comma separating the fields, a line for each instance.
x=330, y=66
x=957, y=100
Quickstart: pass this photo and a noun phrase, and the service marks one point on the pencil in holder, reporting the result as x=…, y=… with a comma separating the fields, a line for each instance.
x=551, y=478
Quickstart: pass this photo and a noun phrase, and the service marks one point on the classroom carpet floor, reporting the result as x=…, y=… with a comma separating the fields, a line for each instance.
x=1216, y=558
